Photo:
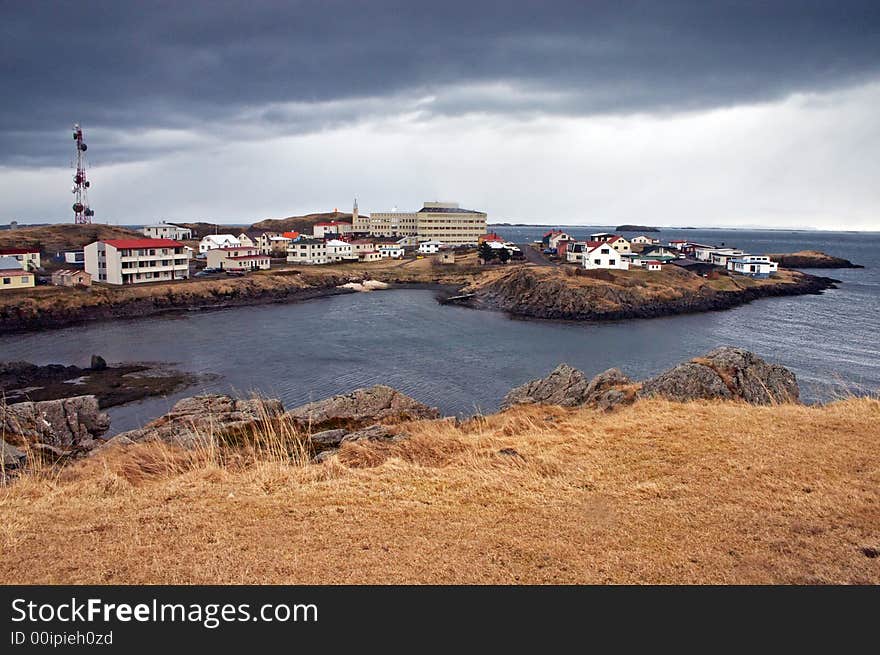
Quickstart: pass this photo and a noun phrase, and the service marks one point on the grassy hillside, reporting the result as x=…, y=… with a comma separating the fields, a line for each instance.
x=658, y=492
x=67, y=236
x=299, y=223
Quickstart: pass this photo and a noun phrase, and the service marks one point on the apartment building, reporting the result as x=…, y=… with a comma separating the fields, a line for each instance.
x=440, y=221
x=307, y=251
x=135, y=261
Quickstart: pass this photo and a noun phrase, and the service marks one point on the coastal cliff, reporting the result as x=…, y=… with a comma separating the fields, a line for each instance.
x=611, y=295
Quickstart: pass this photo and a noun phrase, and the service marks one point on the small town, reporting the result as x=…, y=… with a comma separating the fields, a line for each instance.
x=439, y=231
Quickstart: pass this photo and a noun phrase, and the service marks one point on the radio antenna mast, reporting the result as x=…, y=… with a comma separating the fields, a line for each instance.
x=81, y=210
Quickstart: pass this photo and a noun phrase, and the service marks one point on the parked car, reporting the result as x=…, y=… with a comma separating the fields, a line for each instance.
x=235, y=273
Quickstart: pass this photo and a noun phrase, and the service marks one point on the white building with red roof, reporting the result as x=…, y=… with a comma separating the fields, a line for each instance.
x=238, y=258
x=601, y=254
x=135, y=261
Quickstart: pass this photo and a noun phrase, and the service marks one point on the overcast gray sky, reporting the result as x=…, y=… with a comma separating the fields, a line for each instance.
x=665, y=113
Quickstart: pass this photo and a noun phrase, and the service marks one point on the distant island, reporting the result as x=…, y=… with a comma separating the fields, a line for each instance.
x=637, y=228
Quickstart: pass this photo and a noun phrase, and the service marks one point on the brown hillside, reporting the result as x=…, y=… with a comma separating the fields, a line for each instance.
x=299, y=223
x=55, y=238
x=658, y=492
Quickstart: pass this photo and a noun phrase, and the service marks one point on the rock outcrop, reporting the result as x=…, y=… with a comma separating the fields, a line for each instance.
x=566, y=293
x=568, y=387
x=811, y=259
x=66, y=425
x=193, y=420
x=359, y=408
x=724, y=373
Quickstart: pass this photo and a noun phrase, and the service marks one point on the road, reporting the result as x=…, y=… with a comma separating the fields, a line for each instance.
x=533, y=256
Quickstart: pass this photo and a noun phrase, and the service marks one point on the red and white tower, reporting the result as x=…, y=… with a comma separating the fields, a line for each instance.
x=82, y=212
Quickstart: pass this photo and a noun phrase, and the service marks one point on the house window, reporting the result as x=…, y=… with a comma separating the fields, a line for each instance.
x=24, y=279
x=612, y=262
x=597, y=261
x=7, y=280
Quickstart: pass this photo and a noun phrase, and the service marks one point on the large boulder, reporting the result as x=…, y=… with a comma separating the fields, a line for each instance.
x=68, y=424
x=568, y=387
x=361, y=407
x=725, y=373
x=201, y=418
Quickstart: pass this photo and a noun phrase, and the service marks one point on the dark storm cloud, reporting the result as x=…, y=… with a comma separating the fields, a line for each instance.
x=131, y=67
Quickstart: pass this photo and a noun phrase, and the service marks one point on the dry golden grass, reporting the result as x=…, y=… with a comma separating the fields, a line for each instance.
x=658, y=492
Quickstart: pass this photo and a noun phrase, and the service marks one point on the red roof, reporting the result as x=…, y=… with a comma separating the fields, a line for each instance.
x=654, y=261
x=249, y=257
x=236, y=248
x=18, y=251
x=17, y=271
x=143, y=243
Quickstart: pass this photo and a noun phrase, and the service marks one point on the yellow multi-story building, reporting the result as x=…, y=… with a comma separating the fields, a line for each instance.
x=438, y=221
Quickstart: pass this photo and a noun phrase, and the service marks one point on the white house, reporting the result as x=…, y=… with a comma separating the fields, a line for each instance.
x=74, y=256
x=212, y=241
x=721, y=257
x=753, y=266
x=643, y=240
x=653, y=265
x=602, y=255
x=369, y=256
x=307, y=251
x=166, y=230
x=245, y=240
x=602, y=236
x=135, y=261
x=556, y=238
x=238, y=258
x=391, y=251
x=339, y=251
x=703, y=253
x=429, y=247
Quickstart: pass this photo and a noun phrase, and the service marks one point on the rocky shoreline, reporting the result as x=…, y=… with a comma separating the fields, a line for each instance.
x=520, y=295
x=514, y=293
x=75, y=427
x=111, y=385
